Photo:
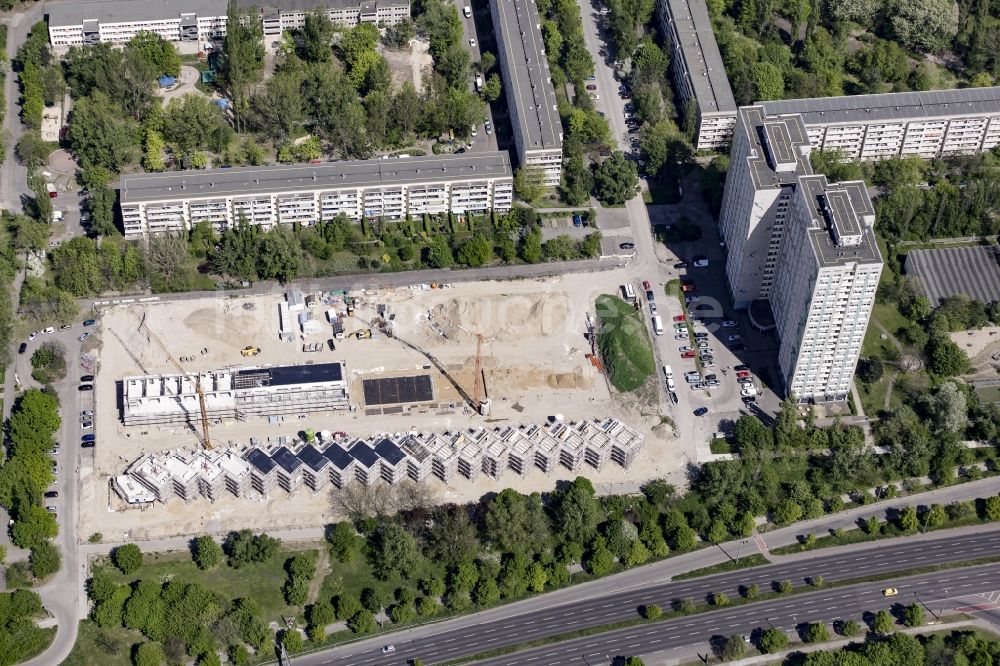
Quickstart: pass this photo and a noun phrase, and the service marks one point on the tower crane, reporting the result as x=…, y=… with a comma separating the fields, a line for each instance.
x=205, y=440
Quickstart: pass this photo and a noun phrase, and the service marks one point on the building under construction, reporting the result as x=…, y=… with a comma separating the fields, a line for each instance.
x=165, y=400
x=338, y=460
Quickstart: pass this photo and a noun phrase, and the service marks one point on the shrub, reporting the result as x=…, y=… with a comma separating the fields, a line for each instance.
x=127, y=558
x=652, y=612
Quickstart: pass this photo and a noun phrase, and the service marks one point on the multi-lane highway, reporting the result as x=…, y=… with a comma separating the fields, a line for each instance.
x=474, y=634
x=939, y=591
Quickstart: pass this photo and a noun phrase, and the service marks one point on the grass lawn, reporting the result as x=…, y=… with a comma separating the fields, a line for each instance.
x=890, y=316
x=97, y=646
x=989, y=394
x=624, y=342
x=875, y=347
x=873, y=396
x=262, y=582
x=720, y=445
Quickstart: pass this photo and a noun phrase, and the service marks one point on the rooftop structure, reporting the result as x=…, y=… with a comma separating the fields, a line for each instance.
x=528, y=87
x=158, y=203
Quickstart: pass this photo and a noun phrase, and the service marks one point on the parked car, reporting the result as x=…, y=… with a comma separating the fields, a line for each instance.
x=742, y=373
x=86, y=414
x=701, y=335
x=729, y=323
x=680, y=336
x=685, y=349
x=701, y=263
x=50, y=329
x=692, y=299
x=712, y=382
x=687, y=354
x=89, y=322
x=680, y=264
x=85, y=387
x=22, y=348
x=52, y=494
x=83, y=336
x=626, y=246
x=87, y=445
x=673, y=397
x=591, y=86
x=87, y=378
x=741, y=368
x=696, y=386
x=32, y=335
x=65, y=327
x=702, y=344
x=652, y=307
x=689, y=286
x=86, y=425
x=735, y=338
x=88, y=438
x=748, y=391
x=701, y=411
x=680, y=318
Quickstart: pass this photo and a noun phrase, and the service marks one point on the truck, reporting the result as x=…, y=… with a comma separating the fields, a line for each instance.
x=51, y=190
x=312, y=347
x=479, y=82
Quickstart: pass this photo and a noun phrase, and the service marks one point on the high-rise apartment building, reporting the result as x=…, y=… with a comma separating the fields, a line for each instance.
x=531, y=99
x=805, y=246
x=823, y=294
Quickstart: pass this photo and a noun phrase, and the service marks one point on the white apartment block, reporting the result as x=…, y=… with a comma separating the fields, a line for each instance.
x=804, y=246
x=823, y=296
x=766, y=160
x=531, y=98
x=162, y=203
x=235, y=394
x=697, y=70
x=118, y=21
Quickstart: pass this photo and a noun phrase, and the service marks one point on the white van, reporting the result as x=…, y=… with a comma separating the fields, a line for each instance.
x=657, y=325
x=668, y=372
x=629, y=292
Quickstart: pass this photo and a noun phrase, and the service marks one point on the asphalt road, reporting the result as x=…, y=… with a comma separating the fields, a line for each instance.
x=475, y=634
x=939, y=591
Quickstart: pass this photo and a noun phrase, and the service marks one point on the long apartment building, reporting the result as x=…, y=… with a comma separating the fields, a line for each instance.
x=118, y=21
x=162, y=203
x=697, y=70
x=803, y=245
x=233, y=394
x=531, y=98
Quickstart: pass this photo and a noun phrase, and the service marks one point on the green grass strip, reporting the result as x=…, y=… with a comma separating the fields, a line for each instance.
x=754, y=560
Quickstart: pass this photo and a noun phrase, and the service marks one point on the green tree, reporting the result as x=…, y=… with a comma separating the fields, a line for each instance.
x=44, y=560
x=768, y=80
x=850, y=628
x=245, y=547
x=148, y=654
x=391, y=549
x=476, y=252
x=577, y=511
x=100, y=135
x=207, y=552
x=785, y=586
x=720, y=599
x=652, y=612
x=883, y=623
x=600, y=560
x=31, y=150
x=342, y=538
x=615, y=180
x=925, y=25
x=292, y=640
x=159, y=55
x=934, y=517
x=991, y=508
x=773, y=640
x=528, y=184
x=317, y=37
x=439, y=253
x=817, y=633
x=362, y=622
x=33, y=527
x=733, y=648
x=127, y=558
x=946, y=358
x=517, y=523
x=280, y=256
x=907, y=519
x=913, y=615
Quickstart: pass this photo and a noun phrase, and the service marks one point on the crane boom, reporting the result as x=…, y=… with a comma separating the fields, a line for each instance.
x=206, y=441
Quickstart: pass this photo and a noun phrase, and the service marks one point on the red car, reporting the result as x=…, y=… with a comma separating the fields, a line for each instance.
x=646, y=285
x=688, y=354
x=591, y=86
x=680, y=318
x=742, y=374
x=689, y=287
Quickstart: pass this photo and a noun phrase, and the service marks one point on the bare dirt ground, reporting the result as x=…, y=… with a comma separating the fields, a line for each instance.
x=980, y=345
x=410, y=64
x=533, y=358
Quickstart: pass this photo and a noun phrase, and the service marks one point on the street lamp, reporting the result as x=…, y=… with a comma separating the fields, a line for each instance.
x=936, y=616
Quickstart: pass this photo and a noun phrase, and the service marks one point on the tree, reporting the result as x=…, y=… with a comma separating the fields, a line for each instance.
x=528, y=184
x=492, y=88
x=768, y=80
x=850, y=628
x=317, y=36
x=195, y=122
x=207, y=552
x=242, y=61
x=947, y=409
x=913, y=615
x=476, y=252
x=785, y=586
x=292, y=640
x=245, y=547
x=946, y=358
x=720, y=599
x=439, y=253
x=992, y=508
x=577, y=511
x=517, y=523
x=934, y=517
x=280, y=255
x=925, y=25
x=391, y=550
x=48, y=363
x=787, y=512
x=127, y=558
x=907, y=519
x=817, y=633
x=883, y=623
x=600, y=560
x=773, y=640
x=44, y=560
x=652, y=612
x=101, y=136
x=31, y=150
x=634, y=661
x=159, y=55
x=615, y=180
x=342, y=538
x=733, y=648
x=362, y=622
x=148, y=654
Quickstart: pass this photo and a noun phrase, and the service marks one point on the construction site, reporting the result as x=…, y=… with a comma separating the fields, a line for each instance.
x=265, y=372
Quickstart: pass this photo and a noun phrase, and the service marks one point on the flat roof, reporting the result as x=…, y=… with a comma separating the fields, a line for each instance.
x=250, y=181
x=854, y=196
x=287, y=460
x=949, y=271
x=340, y=458
x=889, y=106
x=778, y=147
x=287, y=375
x=364, y=454
x=260, y=460
x=702, y=58
x=388, y=451
x=128, y=11
x=270, y=6
x=529, y=84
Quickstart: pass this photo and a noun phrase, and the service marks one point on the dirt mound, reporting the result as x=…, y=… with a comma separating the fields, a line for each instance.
x=503, y=317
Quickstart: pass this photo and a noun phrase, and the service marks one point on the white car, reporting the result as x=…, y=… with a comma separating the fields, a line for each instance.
x=50, y=329
x=652, y=307
x=703, y=344
x=749, y=391
x=729, y=323
x=736, y=338
x=684, y=349
x=691, y=299
x=388, y=648
x=670, y=384
x=680, y=336
x=472, y=42
x=701, y=263
x=32, y=335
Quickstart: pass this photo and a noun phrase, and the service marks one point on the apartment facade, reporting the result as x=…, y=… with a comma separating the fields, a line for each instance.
x=163, y=203
x=697, y=70
x=118, y=21
x=767, y=158
x=935, y=123
x=823, y=296
x=531, y=99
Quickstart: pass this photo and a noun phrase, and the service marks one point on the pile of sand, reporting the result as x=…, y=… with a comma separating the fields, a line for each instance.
x=503, y=317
